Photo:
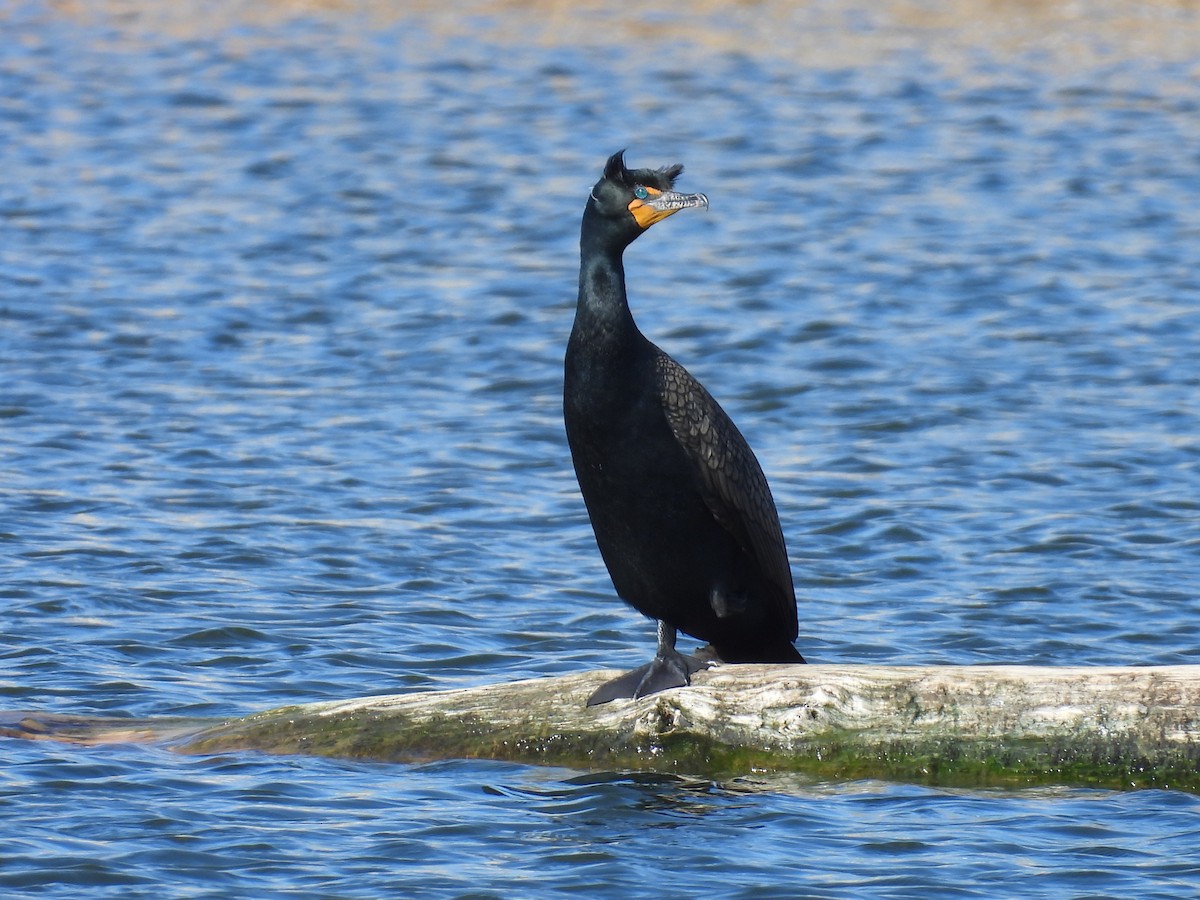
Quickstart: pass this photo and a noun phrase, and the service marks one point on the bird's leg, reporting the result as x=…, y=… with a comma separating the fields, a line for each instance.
x=668, y=669
x=666, y=641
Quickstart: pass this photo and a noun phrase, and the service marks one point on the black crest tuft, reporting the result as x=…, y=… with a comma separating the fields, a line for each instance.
x=663, y=179
x=614, y=169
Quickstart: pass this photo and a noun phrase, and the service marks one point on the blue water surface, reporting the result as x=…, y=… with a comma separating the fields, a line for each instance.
x=284, y=292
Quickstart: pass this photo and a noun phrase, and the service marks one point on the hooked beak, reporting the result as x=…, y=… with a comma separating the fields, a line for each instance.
x=661, y=204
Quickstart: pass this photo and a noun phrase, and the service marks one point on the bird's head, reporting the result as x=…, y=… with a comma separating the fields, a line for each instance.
x=631, y=200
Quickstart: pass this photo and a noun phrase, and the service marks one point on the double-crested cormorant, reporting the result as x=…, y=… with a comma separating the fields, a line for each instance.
x=681, y=509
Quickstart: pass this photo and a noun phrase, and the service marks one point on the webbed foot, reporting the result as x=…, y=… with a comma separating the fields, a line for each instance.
x=667, y=670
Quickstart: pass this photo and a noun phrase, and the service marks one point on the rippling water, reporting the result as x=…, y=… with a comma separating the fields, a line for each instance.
x=283, y=298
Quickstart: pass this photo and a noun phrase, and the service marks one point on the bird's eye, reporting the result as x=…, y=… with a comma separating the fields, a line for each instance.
x=640, y=192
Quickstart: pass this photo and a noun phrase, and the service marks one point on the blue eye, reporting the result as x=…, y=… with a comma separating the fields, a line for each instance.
x=640, y=192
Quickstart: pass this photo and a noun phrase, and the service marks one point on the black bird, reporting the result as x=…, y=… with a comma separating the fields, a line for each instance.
x=681, y=509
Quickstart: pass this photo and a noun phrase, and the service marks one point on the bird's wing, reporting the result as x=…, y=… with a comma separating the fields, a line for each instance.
x=732, y=482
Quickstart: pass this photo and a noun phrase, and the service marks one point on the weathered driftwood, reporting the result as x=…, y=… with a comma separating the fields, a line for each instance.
x=1119, y=727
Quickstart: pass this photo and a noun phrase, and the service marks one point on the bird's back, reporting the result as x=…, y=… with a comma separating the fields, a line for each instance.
x=732, y=486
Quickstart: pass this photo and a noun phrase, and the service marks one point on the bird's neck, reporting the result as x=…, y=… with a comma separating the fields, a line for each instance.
x=602, y=316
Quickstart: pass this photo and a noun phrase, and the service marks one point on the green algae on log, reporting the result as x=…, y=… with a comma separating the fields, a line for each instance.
x=957, y=725
x=965, y=725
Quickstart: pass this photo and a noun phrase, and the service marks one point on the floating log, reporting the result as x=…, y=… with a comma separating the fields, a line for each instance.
x=958, y=725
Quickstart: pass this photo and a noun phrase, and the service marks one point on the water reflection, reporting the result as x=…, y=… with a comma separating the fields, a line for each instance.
x=1063, y=36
